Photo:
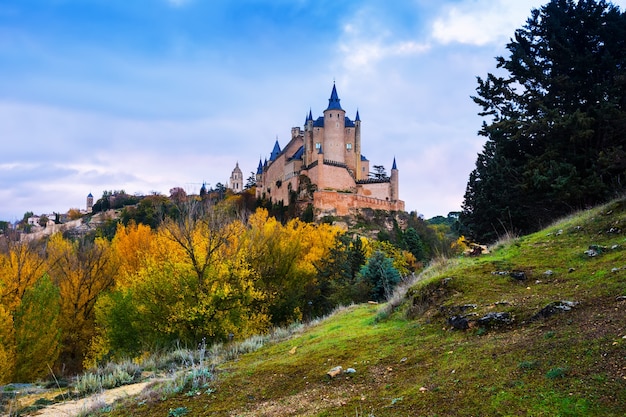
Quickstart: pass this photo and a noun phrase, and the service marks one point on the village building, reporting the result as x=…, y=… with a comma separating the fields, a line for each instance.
x=322, y=164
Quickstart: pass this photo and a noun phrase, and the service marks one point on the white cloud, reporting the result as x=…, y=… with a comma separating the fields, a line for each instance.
x=482, y=22
x=365, y=41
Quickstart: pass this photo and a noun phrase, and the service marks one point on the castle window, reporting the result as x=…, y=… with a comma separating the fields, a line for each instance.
x=318, y=145
x=348, y=146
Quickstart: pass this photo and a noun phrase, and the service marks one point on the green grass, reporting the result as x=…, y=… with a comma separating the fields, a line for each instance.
x=409, y=361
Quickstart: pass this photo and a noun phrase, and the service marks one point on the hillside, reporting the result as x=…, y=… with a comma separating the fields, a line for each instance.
x=537, y=327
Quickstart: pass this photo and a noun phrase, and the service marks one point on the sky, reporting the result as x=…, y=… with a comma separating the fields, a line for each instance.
x=147, y=95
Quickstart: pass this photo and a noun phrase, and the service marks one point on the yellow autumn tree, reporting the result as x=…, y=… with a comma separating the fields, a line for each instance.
x=132, y=245
x=82, y=270
x=284, y=257
x=21, y=265
x=193, y=283
x=7, y=346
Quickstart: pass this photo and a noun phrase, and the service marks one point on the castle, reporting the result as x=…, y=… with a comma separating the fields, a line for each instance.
x=323, y=165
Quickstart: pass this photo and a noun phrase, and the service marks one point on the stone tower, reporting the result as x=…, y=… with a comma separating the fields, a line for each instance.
x=236, y=179
x=89, y=203
x=395, y=182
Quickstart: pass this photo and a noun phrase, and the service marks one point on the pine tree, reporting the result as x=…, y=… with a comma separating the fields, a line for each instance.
x=555, y=141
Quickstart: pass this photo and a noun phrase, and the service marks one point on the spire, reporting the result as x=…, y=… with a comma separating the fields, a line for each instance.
x=357, y=119
x=275, y=151
x=310, y=115
x=333, y=101
x=394, y=163
x=259, y=169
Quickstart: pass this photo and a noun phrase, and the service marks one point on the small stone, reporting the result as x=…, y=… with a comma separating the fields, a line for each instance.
x=549, y=273
x=571, y=270
x=334, y=372
x=423, y=389
x=404, y=359
x=350, y=371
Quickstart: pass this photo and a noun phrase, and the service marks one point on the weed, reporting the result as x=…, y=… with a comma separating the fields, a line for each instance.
x=555, y=373
x=177, y=412
x=528, y=365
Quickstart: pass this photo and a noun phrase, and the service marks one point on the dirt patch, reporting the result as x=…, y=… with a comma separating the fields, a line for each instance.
x=95, y=401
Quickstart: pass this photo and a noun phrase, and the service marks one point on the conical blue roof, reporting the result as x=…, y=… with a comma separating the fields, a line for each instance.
x=333, y=101
x=259, y=169
x=275, y=151
x=394, y=163
x=357, y=119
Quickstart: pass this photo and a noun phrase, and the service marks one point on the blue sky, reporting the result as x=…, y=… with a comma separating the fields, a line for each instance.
x=149, y=95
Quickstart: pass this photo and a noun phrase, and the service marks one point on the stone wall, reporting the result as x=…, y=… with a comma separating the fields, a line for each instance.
x=342, y=204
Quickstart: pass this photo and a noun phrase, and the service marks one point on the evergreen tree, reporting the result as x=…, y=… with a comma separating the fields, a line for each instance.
x=380, y=275
x=555, y=141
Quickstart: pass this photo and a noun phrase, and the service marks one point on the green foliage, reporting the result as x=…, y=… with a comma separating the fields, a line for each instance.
x=37, y=333
x=151, y=211
x=555, y=134
x=380, y=276
x=413, y=243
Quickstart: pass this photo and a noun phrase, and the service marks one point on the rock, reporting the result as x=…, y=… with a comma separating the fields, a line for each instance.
x=335, y=371
x=553, y=308
x=595, y=250
x=549, y=273
x=458, y=322
x=620, y=298
x=518, y=275
x=493, y=320
x=350, y=371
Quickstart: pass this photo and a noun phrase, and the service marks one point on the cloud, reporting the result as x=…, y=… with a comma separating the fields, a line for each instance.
x=365, y=40
x=481, y=22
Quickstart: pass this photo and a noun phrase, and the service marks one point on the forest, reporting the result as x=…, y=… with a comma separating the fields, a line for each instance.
x=205, y=272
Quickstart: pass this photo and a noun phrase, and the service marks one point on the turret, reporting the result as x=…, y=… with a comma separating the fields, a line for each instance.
x=357, y=148
x=394, y=182
x=275, y=151
x=334, y=129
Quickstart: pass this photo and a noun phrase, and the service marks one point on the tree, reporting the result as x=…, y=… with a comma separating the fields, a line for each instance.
x=379, y=173
x=251, y=181
x=43, y=221
x=380, y=275
x=82, y=270
x=413, y=243
x=555, y=140
x=36, y=331
x=7, y=346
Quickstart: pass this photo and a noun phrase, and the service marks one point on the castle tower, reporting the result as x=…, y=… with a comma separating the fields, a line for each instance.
x=89, y=203
x=394, y=191
x=236, y=179
x=308, y=139
x=334, y=129
x=358, y=175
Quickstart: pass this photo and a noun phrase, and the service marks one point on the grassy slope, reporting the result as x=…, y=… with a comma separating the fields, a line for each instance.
x=413, y=364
